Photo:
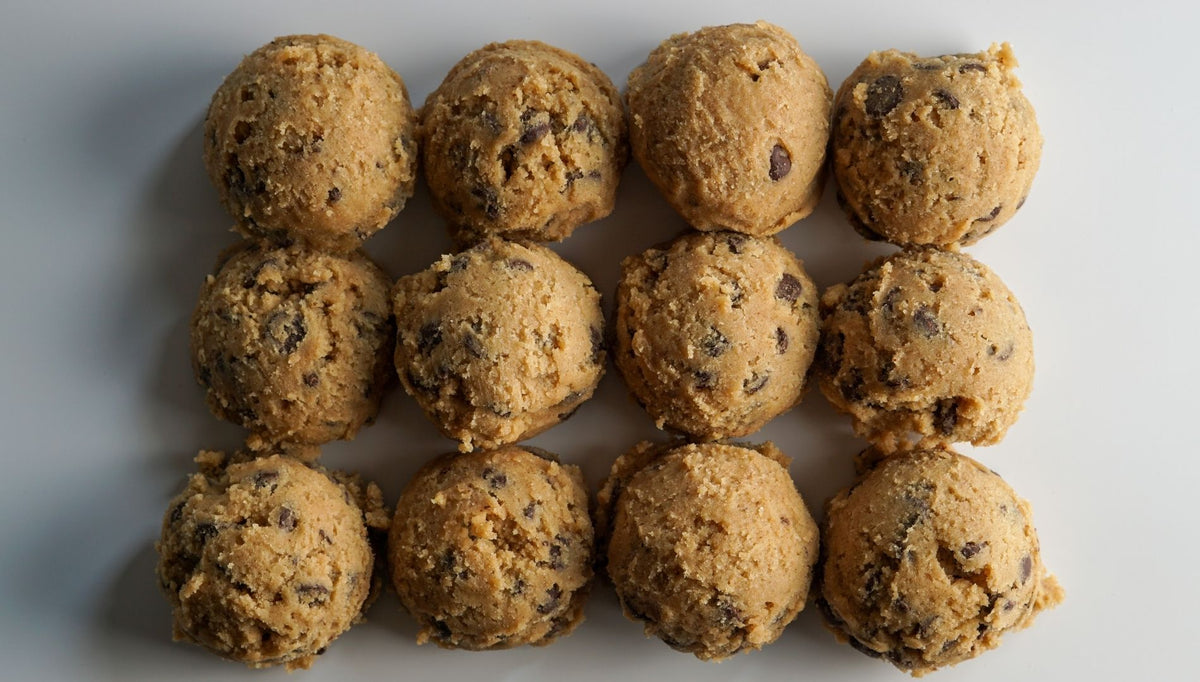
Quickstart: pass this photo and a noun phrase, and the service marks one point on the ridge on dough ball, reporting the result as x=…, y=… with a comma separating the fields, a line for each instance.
x=731, y=123
x=312, y=139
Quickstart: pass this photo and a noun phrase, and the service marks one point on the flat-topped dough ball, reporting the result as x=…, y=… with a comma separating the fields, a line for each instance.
x=926, y=342
x=499, y=342
x=523, y=140
x=933, y=150
x=929, y=559
x=491, y=550
x=312, y=139
x=715, y=332
x=293, y=344
x=731, y=124
x=266, y=561
x=710, y=546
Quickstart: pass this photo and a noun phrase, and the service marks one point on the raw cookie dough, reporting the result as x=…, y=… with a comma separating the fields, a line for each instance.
x=266, y=561
x=293, y=344
x=715, y=332
x=499, y=342
x=491, y=550
x=731, y=124
x=937, y=150
x=709, y=545
x=926, y=342
x=523, y=140
x=928, y=560
x=312, y=139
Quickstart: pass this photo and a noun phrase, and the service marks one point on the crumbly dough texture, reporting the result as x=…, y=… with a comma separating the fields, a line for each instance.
x=933, y=150
x=293, y=344
x=710, y=545
x=312, y=139
x=715, y=332
x=731, y=124
x=523, y=140
x=266, y=561
x=928, y=560
x=499, y=342
x=491, y=550
x=928, y=343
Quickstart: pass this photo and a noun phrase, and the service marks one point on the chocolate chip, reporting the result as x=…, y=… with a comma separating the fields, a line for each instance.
x=597, y=339
x=335, y=195
x=490, y=121
x=177, y=513
x=781, y=340
x=755, y=383
x=989, y=217
x=728, y=615
x=951, y=644
x=441, y=630
x=287, y=519
x=529, y=510
x=1026, y=568
x=926, y=322
x=883, y=95
x=535, y=133
x=325, y=536
x=312, y=593
x=945, y=415
x=945, y=99
x=287, y=331
x=553, y=595
x=789, y=288
x=863, y=648
x=583, y=123
x=428, y=337
x=888, y=306
x=972, y=66
x=495, y=479
x=556, y=557
x=971, y=549
x=205, y=532
x=781, y=163
x=1020, y=203
x=912, y=171
x=715, y=343
x=474, y=346
x=735, y=241
x=704, y=380
x=488, y=200
x=852, y=387
x=1007, y=353
x=263, y=479
x=311, y=379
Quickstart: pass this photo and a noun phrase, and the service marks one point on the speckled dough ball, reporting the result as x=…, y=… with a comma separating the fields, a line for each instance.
x=928, y=343
x=929, y=559
x=266, y=561
x=710, y=546
x=500, y=342
x=715, y=332
x=312, y=139
x=293, y=344
x=492, y=550
x=523, y=140
x=938, y=150
x=731, y=124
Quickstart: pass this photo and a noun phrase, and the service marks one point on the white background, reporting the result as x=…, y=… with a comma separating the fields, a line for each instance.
x=110, y=225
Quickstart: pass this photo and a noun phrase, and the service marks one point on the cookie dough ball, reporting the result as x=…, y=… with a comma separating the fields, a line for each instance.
x=293, y=344
x=710, y=546
x=523, y=140
x=500, y=342
x=312, y=139
x=491, y=550
x=715, y=332
x=926, y=342
x=929, y=559
x=937, y=151
x=731, y=124
x=266, y=561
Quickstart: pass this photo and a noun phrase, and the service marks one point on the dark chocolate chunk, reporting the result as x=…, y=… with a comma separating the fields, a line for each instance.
x=335, y=195
x=883, y=95
x=781, y=163
x=781, y=340
x=556, y=557
x=519, y=264
x=489, y=200
x=735, y=241
x=729, y=615
x=755, y=383
x=789, y=288
x=715, y=344
x=266, y=478
x=989, y=217
x=429, y=336
x=177, y=512
x=529, y=510
x=287, y=331
x=863, y=648
x=945, y=99
x=597, y=339
x=287, y=519
x=852, y=387
x=583, y=123
x=535, y=133
x=474, y=346
x=945, y=415
x=441, y=630
x=205, y=532
x=972, y=66
x=1026, y=568
x=553, y=595
x=912, y=171
x=971, y=549
x=926, y=322
x=325, y=536
x=495, y=479
x=704, y=380
x=311, y=379
x=312, y=593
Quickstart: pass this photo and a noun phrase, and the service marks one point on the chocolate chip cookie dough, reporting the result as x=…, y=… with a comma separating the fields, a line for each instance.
x=266, y=561
x=715, y=332
x=499, y=342
x=710, y=546
x=491, y=550
x=523, y=140
x=312, y=139
x=926, y=342
x=293, y=344
x=929, y=559
x=731, y=124
x=933, y=150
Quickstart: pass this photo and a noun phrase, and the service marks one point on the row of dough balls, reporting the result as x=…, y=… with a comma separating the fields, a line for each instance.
x=929, y=557
x=312, y=139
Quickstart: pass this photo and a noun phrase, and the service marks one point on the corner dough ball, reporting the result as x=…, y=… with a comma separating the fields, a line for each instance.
x=523, y=140
x=710, y=546
x=293, y=344
x=715, y=332
x=929, y=559
x=926, y=342
x=499, y=342
x=491, y=550
x=731, y=124
x=266, y=561
x=937, y=151
x=312, y=139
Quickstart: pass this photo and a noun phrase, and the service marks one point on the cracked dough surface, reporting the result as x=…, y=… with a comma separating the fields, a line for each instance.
x=933, y=150
x=928, y=559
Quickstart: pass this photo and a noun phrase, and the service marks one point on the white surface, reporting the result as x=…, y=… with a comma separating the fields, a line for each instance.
x=110, y=225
